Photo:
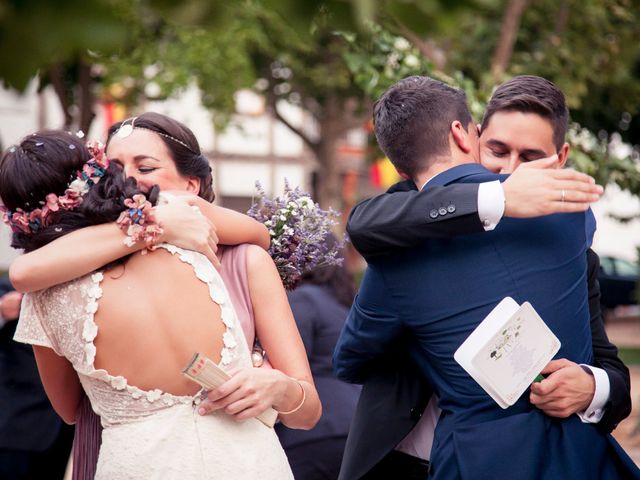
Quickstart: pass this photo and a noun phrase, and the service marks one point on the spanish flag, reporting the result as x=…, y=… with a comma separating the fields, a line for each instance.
x=383, y=174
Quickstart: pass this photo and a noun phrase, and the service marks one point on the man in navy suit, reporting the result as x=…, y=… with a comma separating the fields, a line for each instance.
x=526, y=119
x=428, y=300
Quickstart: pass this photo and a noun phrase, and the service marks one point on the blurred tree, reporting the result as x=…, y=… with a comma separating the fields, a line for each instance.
x=288, y=50
x=382, y=58
x=589, y=48
x=285, y=50
x=128, y=50
x=56, y=40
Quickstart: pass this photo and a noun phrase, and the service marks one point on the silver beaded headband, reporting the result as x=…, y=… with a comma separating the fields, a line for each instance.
x=127, y=129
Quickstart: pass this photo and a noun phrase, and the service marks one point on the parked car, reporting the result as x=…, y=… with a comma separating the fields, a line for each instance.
x=618, y=279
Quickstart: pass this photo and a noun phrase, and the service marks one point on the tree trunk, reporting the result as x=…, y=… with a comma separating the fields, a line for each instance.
x=332, y=126
x=508, y=36
x=86, y=96
x=56, y=77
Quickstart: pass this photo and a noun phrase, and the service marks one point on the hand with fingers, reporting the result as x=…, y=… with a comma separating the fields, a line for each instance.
x=537, y=188
x=186, y=227
x=566, y=390
x=10, y=305
x=250, y=391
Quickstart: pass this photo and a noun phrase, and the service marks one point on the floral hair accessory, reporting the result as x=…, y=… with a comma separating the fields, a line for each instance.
x=29, y=222
x=138, y=222
x=298, y=228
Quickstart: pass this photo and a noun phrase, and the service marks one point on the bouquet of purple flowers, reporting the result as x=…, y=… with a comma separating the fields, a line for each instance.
x=298, y=229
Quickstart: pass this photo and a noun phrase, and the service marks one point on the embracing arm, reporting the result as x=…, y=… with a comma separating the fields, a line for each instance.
x=404, y=218
x=69, y=257
x=288, y=386
x=88, y=249
x=371, y=330
x=233, y=227
x=598, y=393
x=605, y=355
x=60, y=382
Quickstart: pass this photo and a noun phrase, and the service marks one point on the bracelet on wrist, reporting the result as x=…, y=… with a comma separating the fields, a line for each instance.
x=299, y=406
x=139, y=223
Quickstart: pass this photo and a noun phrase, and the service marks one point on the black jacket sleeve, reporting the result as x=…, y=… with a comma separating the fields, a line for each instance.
x=605, y=355
x=5, y=285
x=404, y=217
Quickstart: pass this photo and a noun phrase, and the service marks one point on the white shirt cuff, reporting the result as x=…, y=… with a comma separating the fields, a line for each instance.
x=490, y=204
x=595, y=411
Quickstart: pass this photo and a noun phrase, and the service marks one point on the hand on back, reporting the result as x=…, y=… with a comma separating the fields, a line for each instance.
x=185, y=226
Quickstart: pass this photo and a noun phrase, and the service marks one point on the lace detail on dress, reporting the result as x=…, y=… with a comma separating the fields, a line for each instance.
x=63, y=317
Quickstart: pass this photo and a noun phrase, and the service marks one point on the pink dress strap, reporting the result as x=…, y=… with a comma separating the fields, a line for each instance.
x=234, y=275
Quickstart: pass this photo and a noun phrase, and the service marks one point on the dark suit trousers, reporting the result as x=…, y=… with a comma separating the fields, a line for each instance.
x=49, y=464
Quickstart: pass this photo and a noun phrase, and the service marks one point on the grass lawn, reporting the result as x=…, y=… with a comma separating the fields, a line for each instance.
x=630, y=356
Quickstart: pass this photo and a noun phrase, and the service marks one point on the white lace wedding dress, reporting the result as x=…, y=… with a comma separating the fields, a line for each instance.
x=153, y=434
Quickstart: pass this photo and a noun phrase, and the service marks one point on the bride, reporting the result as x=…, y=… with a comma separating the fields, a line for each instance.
x=121, y=333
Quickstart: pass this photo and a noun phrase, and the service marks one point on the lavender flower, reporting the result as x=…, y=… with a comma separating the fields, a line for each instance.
x=298, y=229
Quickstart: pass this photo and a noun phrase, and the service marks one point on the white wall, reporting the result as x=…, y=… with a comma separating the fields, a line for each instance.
x=612, y=237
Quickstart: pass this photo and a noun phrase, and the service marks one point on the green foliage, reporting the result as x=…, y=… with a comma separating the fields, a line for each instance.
x=381, y=59
x=36, y=34
x=161, y=59
x=289, y=49
x=589, y=48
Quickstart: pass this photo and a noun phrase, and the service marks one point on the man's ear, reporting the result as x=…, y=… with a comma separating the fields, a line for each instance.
x=460, y=136
x=403, y=175
x=193, y=185
x=563, y=155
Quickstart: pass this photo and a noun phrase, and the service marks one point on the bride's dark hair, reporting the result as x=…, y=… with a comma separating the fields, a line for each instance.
x=47, y=162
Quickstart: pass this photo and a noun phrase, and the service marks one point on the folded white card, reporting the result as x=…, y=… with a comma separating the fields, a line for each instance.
x=507, y=351
x=207, y=374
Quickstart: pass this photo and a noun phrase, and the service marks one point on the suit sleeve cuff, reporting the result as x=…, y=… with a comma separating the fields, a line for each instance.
x=490, y=204
x=595, y=411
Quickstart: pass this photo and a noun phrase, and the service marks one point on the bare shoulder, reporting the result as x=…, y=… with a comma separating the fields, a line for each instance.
x=260, y=268
x=257, y=257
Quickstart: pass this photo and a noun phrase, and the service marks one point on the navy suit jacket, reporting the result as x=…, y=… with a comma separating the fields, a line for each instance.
x=439, y=292
x=400, y=394
x=27, y=420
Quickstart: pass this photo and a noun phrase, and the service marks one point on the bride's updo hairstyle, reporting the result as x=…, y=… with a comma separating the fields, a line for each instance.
x=47, y=162
x=182, y=144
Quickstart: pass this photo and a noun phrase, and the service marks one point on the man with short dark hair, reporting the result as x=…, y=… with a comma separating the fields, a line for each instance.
x=407, y=107
x=525, y=120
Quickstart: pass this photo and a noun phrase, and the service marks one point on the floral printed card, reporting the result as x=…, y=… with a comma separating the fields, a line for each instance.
x=507, y=351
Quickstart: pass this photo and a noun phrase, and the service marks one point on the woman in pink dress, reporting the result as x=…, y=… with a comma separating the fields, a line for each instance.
x=148, y=151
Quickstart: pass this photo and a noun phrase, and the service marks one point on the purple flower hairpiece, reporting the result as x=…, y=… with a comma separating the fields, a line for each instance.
x=298, y=228
x=29, y=222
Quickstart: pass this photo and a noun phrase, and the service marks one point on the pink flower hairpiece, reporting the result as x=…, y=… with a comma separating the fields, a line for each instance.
x=29, y=222
x=139, y=223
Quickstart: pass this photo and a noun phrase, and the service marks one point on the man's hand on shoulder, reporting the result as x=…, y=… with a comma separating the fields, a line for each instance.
x=536, y=189
x=567, y=389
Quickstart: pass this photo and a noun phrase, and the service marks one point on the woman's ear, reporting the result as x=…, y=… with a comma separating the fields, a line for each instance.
x=193, y=185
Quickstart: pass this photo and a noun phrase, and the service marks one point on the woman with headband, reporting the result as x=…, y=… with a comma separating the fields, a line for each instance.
x=274, y=337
